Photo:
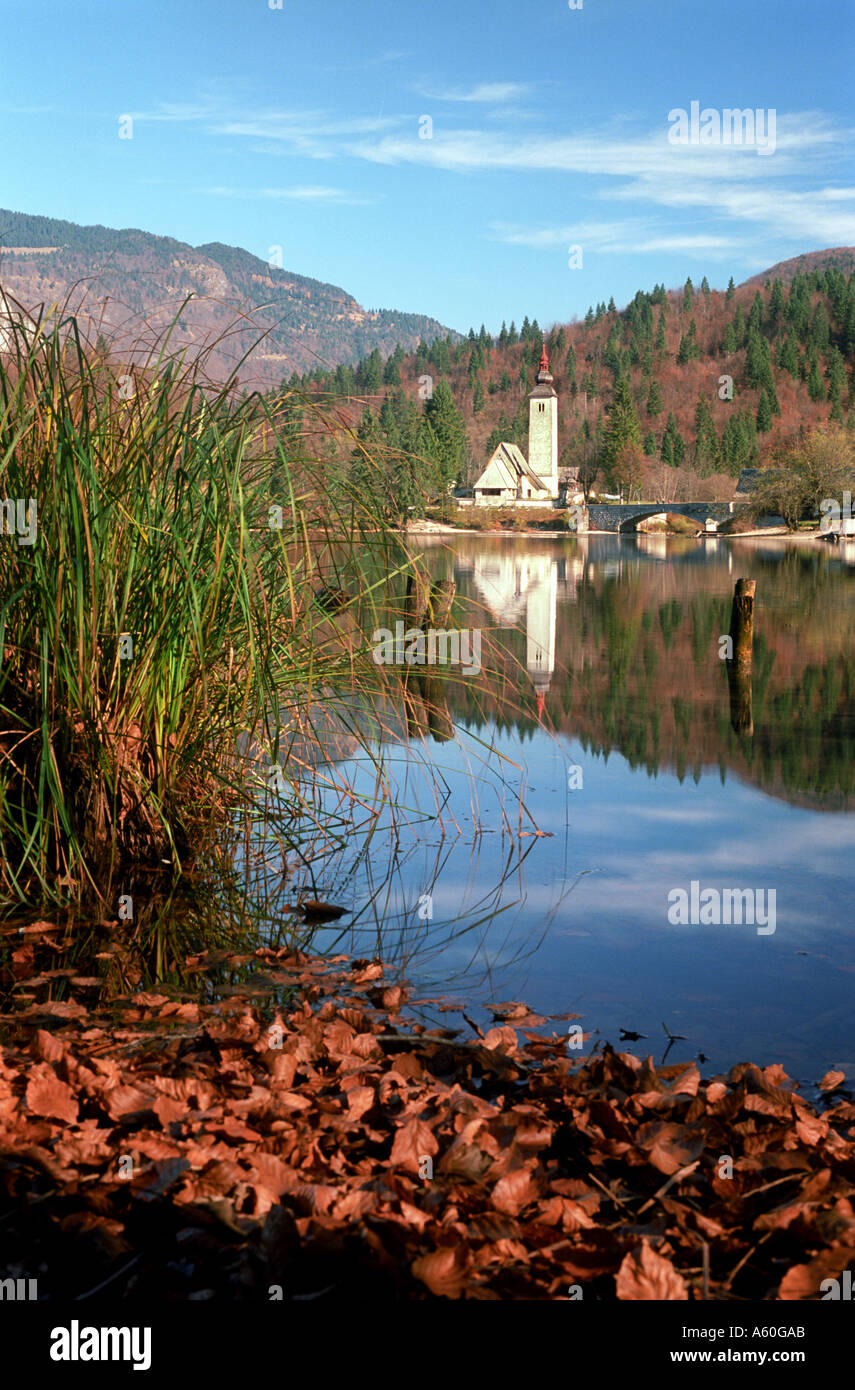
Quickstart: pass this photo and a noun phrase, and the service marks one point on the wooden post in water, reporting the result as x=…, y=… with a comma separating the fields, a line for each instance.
x=416, y=605
x=739, y=666
x=438, y=617
x=440, y=602
x=418, y=598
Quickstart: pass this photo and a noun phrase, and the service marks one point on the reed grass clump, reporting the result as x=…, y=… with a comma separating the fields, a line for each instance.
x=152, y=623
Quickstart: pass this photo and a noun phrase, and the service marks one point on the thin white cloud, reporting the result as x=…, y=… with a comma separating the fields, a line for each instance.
x=181, y=112
x=390, y=56
x=766, y=198
x=800, y=140
x=304, y=125
x=308, y=193
x=490, y=92
x=627, y=237
x=824, y=216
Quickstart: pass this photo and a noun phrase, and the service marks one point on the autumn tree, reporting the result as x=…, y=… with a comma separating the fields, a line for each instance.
x=628, y=470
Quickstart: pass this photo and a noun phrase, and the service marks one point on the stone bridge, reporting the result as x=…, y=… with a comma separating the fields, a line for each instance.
x=626, y=516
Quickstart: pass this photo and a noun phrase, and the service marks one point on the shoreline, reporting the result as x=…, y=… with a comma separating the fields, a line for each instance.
x=439, y=528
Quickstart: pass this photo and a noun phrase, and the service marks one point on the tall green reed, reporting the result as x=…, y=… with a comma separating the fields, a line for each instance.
x=163, y=612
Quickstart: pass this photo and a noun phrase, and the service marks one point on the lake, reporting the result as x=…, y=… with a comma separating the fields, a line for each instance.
x=600, y=767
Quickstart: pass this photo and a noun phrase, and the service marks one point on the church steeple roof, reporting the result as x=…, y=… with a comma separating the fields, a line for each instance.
x=544, y=376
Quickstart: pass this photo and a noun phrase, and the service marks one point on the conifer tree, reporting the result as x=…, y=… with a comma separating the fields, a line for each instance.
x=673, y=447
x=816, y=390
x=445, y=437
x=820, y=332
x=367, y=472
x=755, y=314
x=764, y=414
x=654, y=399
x=622, y=427
x=500, y=433
x=688, y=349
x=706, y=439
x=788, y=356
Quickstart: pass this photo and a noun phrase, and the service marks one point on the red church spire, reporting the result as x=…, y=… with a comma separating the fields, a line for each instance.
x=544, y=360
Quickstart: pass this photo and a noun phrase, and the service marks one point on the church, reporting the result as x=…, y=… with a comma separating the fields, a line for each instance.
x=508, y=479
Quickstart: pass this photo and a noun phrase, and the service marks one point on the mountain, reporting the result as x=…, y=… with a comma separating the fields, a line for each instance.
x=126, y=279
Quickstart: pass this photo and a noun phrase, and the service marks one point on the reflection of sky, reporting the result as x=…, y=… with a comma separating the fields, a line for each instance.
x=577, y=919
x=606, y=950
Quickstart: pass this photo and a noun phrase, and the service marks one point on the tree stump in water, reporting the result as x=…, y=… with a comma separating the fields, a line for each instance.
x=440, y=602
x=739, y=666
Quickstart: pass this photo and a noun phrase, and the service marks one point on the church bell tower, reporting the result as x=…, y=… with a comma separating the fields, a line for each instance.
x=543, y=427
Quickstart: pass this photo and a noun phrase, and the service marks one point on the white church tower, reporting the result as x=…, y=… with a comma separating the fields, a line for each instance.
x=543, y=428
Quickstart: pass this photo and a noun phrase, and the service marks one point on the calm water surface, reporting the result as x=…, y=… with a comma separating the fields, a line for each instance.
x=604, y=703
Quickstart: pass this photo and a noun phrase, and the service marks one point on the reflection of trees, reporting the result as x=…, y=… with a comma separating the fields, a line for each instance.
x=638, y=671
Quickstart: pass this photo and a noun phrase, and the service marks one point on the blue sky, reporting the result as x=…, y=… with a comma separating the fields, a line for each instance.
x=300, y=128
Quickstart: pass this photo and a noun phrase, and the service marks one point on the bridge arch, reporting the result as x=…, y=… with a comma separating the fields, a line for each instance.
x=630, y=523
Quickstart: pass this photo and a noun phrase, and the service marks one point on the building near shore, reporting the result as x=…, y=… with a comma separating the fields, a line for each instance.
x=511, y=480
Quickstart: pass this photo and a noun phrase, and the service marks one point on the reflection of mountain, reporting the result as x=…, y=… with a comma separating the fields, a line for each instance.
x=623, y=653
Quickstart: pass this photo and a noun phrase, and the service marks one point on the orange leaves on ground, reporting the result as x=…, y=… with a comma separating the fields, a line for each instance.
x=444, y=1271
x=48, y=1096
x=413, y=1142
x=644, y=1274
x=515, y=1191
x=229, y=1153
x=831, y=1080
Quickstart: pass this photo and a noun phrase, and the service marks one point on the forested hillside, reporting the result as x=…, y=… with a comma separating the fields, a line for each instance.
x=698, y=382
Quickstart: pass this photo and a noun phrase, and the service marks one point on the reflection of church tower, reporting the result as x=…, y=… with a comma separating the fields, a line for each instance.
x=540, y=608
x=543, y=427
x=523, y=588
